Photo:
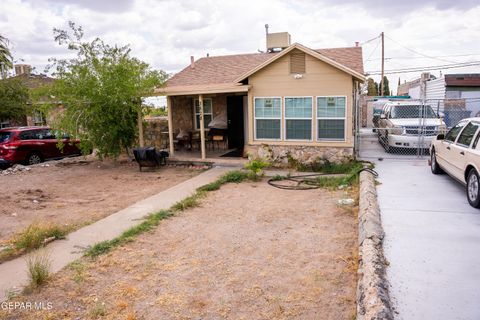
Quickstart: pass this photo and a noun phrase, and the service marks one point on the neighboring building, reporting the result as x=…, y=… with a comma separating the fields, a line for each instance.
x=31, y=81
x=456, y=95
x=413, y=88
x=295, y=103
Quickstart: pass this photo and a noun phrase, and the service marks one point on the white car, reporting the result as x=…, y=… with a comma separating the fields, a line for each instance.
x=458, y=154
x=408, y=125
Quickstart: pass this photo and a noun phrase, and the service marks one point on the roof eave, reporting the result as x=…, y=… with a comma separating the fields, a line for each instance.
x=202, y=89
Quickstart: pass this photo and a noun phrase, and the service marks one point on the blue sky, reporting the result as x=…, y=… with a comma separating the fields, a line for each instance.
x=165, y=33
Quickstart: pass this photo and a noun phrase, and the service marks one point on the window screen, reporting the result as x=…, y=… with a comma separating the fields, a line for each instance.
x=268, y=114
x=207, y=112
x=298, y=118
x=331, y=118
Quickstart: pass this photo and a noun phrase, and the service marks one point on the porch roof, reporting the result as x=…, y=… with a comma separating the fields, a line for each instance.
x=202, y=89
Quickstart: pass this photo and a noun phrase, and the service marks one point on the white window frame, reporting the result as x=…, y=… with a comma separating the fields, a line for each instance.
x=270, y=118
x=285, y=119
x=4, y=124
x=195, y=114
x=344, y=118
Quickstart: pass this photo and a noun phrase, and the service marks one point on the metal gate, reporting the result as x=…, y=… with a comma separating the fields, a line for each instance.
x=404, y=129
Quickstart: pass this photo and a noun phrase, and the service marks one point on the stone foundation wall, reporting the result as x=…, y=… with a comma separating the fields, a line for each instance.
x=286, y=156
x=152, y=132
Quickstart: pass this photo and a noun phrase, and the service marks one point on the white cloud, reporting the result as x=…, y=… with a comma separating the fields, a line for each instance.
x=165, y=33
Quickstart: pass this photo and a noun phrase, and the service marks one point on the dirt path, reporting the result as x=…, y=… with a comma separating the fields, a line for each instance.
x=249, y=252
x=77, y=193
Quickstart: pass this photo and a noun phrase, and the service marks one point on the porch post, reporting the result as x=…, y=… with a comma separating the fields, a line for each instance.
x=170, y=125
x=202, y=127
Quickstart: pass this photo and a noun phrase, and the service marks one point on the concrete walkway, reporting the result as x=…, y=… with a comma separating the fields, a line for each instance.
x=13, y=274
x=432, y=242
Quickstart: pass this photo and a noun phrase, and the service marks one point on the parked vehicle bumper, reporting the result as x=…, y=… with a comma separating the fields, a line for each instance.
x=4, y=163
x=409, y=142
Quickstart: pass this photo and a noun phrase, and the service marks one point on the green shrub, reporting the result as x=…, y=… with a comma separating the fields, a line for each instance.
x=256, y=166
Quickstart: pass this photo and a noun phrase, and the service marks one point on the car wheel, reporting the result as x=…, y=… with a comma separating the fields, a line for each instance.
x=434, y=164
x=33, y=158
x=473, y=188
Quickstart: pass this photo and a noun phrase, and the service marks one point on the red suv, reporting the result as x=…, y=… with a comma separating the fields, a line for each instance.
x=30, y=145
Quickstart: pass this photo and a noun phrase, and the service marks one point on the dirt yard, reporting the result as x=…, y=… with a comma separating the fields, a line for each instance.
x=248, y=252
x=77, y=192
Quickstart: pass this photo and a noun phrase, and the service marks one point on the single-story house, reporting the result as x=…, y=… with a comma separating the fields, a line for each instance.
x=31, y=81
x=294, y=103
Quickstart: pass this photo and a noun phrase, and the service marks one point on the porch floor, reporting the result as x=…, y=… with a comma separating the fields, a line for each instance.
x=213, y=156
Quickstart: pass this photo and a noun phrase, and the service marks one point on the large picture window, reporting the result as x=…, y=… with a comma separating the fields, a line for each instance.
x=298, y=118
x=331, y=116
x=207, y=112
x=268, y=115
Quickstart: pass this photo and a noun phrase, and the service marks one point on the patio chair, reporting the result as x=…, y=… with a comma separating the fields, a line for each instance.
x=150, y=157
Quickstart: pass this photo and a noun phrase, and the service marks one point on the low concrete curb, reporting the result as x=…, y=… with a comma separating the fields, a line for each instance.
x=373, y=300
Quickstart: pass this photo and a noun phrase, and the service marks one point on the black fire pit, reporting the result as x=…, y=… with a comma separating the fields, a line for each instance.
x=150, y=157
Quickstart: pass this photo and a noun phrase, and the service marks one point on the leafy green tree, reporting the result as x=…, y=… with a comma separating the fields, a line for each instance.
x=6, y=60
x=372, y=89
x=386, y=88
x=101, y=90
x=13, y=99
x=155, y=112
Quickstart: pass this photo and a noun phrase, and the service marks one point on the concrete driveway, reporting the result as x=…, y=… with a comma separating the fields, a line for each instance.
x=432, y=242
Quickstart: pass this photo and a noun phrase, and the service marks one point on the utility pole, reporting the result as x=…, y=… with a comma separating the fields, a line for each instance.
x=383, y=64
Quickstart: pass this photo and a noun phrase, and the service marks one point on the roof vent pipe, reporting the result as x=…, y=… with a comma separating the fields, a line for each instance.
x=266, y=35
x=192, y=62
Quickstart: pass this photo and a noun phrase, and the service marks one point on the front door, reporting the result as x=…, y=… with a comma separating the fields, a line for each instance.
x=235, y=131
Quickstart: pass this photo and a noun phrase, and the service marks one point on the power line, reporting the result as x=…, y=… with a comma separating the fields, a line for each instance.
x=445, y=56
x=419, y=53
x=428, y=68
x=365, y=42
x=373, y=51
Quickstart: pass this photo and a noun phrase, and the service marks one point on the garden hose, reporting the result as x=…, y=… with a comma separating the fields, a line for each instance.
x=309, y=181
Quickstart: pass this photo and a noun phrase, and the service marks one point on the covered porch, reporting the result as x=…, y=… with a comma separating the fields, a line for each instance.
x=207, y=123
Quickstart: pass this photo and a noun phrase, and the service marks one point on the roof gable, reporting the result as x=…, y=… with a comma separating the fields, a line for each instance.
x=319, y=55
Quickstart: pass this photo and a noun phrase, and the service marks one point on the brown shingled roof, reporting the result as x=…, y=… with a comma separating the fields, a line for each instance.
x=225, y=69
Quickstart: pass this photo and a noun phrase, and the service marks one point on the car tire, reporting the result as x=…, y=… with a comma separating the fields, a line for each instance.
x=434, y=164
x=34, y=158
x=473, y=188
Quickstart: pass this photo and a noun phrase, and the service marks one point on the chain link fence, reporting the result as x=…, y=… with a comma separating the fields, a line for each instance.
x=404, y=129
